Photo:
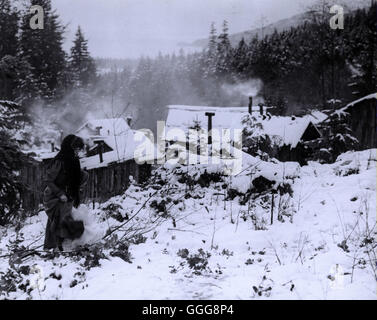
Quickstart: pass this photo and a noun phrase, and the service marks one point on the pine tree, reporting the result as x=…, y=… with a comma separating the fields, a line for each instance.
x=211, y=54
x=9, y=18
x=42, y=50
x=240, y=59
x=337, y=138
x=224, y=42
x=224, y=51
x=364, y=52
x=212, y=44
x=81, y=63
x=11, y=158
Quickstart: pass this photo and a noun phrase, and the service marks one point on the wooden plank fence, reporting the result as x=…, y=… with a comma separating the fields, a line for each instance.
x=103, y=183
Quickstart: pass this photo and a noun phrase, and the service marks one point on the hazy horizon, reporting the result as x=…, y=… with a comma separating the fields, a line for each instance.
x=132, y=28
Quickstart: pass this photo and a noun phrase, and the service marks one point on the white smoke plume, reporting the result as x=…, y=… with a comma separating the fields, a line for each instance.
x=245, y=89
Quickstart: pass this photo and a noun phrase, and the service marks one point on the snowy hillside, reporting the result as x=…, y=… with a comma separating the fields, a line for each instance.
x=192, y=233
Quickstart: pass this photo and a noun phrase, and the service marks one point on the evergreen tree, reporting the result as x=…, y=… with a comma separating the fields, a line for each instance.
x=362, y=52
x=9, y=18
x=11, y=159
x=240, y=59
x=211, y=54
x=81, y=63
x=337, y=138
x=224, y=52
x=42, y=50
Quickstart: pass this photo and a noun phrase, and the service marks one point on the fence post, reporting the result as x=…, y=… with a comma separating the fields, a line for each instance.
x=272, y=207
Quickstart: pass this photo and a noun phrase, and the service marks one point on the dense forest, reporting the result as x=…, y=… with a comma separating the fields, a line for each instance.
x=297, y=69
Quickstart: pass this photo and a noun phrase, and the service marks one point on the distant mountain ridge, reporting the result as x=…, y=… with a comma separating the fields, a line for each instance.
x=281, y=25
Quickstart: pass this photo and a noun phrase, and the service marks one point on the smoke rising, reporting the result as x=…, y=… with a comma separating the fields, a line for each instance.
x=245, y=89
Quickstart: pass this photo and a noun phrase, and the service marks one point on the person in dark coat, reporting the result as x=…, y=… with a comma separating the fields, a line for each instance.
x=62, y=193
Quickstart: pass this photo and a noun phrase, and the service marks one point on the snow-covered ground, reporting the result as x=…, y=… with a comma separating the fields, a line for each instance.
x=191, y=241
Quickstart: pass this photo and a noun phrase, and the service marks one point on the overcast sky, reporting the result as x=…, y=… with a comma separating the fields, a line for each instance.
x=131, y=28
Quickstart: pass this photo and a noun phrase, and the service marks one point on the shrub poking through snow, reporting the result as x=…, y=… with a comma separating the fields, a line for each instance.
x=198, y=261
x=137, y=239
x=227, y=253
x=264, y=288
x=16, y=278
x=113, y=210
x=343, y=245
x=183, y=253
x=160, y=207
x=206, y=179
x=233, y=193
x=122, y=252
x=285, y=188
x=91, y=254
x=258, y=223
x=261, y=184
x=9, y=281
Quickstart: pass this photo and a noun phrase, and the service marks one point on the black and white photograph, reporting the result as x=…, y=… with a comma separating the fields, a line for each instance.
x=194, y=150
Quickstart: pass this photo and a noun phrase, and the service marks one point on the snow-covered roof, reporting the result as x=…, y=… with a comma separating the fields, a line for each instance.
x=284, y=130
x=288, y=130
x=124, y=147
x=184, y=117
x=123, y=150
x=116, y=133
x=41, y=154
x=368, y=97
x=109, y=127
x=343, y=110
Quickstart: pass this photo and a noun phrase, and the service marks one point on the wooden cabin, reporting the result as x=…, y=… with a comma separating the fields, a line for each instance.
x=285, y=135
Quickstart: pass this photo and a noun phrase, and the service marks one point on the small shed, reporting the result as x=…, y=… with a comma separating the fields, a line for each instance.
x=297, y=150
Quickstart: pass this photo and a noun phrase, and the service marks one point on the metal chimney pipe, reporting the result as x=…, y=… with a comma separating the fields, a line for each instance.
x=250, y=105
x=52, y=147
x=261, y=109
x=98, y=130
x=209, y=115
x=100, y=152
